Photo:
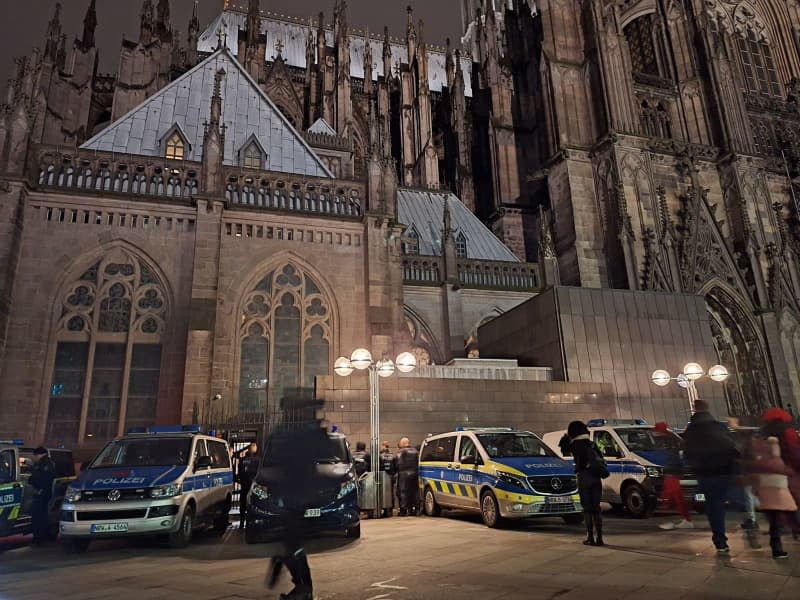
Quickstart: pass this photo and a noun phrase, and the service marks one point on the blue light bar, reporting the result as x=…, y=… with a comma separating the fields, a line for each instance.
x=15, y=442
x=174, y=429
x=601, y=422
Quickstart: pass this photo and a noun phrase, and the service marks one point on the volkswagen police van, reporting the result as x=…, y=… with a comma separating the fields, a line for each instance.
x=635, y=459
x=499, y=472
x=166, y=480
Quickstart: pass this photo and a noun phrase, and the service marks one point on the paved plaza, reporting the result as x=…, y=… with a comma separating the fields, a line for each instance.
x=420, y=558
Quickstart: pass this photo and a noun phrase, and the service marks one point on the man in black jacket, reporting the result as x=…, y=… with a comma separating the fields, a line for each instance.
x=713, y=456
x=407, y=478
x=42, y=476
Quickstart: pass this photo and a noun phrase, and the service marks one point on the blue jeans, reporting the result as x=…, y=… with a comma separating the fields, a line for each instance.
x=715, y=488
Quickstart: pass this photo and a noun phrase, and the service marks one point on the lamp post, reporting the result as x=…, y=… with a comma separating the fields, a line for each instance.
x=691, y=372
x=361, y=359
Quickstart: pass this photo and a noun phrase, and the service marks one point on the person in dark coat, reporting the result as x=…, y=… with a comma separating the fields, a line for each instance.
x=388, y=464
x=590, y=485
x=407, y=478
x=42, y=477
x=362, y=459
x=248, y=468
x=713, y=456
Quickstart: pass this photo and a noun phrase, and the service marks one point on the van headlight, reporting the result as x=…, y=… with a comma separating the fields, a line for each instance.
x=72, y=494
x=348, y=487
x=259, y=491
x=511, y=479
x=166, y=491
x=655, y=472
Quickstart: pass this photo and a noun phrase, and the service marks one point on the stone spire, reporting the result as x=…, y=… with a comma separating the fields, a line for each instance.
x=147, y=24
x=255, y=48
x=61, y=55
x=368, y=65
x=387, y=55
x=214, y=142
x=163, y=26
x=53, y=35
x=449, y=65
x=89, y=26
x=191, y=40
x=411, y=35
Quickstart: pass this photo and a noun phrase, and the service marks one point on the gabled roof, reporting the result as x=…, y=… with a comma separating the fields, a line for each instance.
x=186, y=102
x=322, y=126
x=293, y=35
x=424, y=211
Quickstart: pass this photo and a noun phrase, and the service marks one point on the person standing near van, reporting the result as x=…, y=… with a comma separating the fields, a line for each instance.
x=590, y=487
x=388, y=464
x=407, y=478
x=362, y=459
x=713, y=456
x=248, y=468
x=42, y=477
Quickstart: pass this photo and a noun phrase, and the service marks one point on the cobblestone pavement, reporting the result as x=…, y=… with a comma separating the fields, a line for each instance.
x=421, y=558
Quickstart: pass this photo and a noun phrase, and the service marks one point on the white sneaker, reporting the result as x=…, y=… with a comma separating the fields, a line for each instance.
x=685, y=525
x=667, y=526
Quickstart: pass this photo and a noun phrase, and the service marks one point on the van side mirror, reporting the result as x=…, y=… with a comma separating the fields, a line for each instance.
x=202, y=462
x=468, y=459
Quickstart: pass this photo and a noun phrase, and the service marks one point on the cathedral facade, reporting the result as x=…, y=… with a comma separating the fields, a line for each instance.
x=211, y=226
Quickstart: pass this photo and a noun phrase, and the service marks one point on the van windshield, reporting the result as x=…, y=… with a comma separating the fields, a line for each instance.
x=513, y=445
x=283, y=450
x=149, y=452
x=645, y=439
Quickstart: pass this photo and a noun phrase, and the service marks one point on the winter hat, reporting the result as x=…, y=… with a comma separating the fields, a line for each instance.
x=776, y=414
x=661, y=426
x=577, y=428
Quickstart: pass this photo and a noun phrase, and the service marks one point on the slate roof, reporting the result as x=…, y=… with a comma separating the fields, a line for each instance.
x=424, y=211
x=322, y=126
x=247, y=112
x=293, y=36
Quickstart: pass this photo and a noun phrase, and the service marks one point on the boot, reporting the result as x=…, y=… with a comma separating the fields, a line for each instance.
x=589, y=541
x=598, y=528
x=274, y=572
x=301, y=592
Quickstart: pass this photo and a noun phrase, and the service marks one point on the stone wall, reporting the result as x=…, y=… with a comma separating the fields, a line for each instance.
x=615, y=337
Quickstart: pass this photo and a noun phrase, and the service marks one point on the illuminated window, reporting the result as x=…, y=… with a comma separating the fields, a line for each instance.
x=412, y=242
x=175, y=147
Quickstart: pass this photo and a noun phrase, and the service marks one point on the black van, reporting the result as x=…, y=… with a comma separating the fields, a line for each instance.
x=332, y=500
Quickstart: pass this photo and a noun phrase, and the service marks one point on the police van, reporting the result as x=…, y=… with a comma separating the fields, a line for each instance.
x=165, y=480
x=500, y=472
x=16, y=492
x=636, y=459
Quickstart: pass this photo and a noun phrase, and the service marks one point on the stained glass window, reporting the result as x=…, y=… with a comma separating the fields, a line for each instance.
x=111, y=321
x=175, y=147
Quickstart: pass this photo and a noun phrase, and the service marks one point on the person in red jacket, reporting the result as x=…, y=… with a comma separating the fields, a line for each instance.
x=778, y=424
x=772, y=489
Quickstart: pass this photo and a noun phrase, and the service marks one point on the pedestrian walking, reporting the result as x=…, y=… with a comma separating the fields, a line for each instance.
x=42, y=477
x=388, y=465
x=773, y=493
x=712, y=454
x=248, y=468
x=780, y=424
x=591, y=470
x=671, y=493
x=407, y=478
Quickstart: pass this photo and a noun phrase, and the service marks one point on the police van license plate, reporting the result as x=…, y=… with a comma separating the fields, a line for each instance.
x=109, y=527
x=699, y=497
x=558, y=500
x=313, y=512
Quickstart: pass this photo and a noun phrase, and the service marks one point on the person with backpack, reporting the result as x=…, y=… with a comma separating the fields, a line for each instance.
x=590, y=466
x=362, y=459
x=711, y=452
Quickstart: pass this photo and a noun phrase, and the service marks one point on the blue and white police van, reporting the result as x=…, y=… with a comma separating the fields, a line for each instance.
x=636, y=459
x=497, y=471
x=163, y=480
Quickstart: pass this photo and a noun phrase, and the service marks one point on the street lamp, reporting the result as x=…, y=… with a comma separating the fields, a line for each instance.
x=691, y=372
x=361, y=359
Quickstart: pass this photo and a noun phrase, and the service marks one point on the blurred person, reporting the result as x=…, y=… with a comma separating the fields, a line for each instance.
x=779, y=424
x=672, y=494
x=712, y=454
x=587, y=458
x=42, y=477
x=743, y=493
x=248, y=468
x=388, y=465
x=407, y=478
x=772, y=489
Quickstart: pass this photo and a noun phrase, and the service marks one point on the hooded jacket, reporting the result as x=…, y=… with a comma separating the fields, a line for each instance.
x=708, y=447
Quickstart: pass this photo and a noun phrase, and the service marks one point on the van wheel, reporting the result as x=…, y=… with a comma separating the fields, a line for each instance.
x=432, y=508
x=635, y=501
x=182, y=537
x=75, y=545
x=575, y=519
x=222, y=521
x=353, y=532
x=490, y=510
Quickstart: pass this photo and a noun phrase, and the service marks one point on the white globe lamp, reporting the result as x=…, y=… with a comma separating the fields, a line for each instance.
x=385, y=367
x=342, y=366
x=718, y=373
x=406, y=362
x=361, y=359
x=660, y=378
x=693, y=371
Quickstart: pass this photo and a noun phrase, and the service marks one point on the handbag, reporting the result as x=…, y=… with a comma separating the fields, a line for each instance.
x=596, y=465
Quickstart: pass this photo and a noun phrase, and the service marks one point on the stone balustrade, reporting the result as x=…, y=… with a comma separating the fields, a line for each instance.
x=429, y=270
x=423, y=270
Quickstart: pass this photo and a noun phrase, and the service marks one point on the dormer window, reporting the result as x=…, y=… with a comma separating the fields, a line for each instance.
x=411, y=245
x=461, y=245
x=252, y=157
x=176, y=147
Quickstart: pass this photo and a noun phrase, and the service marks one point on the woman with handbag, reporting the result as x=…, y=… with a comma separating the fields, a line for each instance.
x=591, y=470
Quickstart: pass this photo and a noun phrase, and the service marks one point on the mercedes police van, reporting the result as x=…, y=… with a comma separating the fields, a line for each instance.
x=635, y=458
x=499, y=472
x=16, y=493
x=165, y=480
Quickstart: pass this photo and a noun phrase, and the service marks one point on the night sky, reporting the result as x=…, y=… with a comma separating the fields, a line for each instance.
x=26, y=21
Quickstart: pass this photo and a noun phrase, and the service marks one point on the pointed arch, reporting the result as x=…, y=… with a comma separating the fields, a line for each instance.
x=175, y=143
x=252, y=154
x=425, y=345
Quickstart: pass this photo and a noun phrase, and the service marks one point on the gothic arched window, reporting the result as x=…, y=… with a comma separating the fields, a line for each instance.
x=252, y=158
x=641, y=43
x=758, y=64
x=108, y=352
x=286, y=334
x=176, y=147
x=461, y=245
x=411, y=245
